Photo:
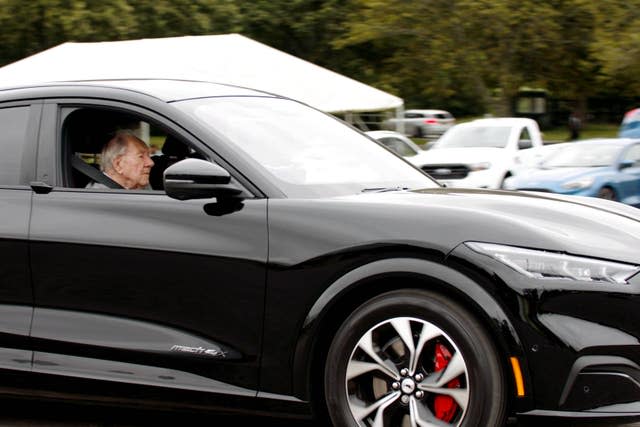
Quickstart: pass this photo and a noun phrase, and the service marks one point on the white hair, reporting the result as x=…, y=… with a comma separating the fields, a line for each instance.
x=116, y=146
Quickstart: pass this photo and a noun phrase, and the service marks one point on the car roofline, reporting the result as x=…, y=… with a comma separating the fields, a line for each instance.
x=112, y=84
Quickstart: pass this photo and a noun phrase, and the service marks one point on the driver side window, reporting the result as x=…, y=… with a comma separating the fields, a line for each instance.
x=87, y=131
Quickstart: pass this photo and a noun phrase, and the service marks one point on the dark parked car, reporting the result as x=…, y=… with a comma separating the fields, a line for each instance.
x=288, y=264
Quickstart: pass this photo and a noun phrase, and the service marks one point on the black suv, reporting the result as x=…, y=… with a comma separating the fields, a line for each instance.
x=284, y=262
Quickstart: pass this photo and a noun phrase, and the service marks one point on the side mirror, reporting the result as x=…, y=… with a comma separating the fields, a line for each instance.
x=625, y=164
x=198, y=179
x=523, y=144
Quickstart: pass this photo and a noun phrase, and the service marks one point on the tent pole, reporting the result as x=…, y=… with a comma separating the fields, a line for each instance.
x=399, y=117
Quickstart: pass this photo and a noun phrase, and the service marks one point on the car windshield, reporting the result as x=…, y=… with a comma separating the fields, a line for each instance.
x=583, y=155
x=308, y=153
x=470, y=136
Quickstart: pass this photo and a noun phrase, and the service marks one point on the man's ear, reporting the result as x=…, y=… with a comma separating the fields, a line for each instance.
x=117, y=164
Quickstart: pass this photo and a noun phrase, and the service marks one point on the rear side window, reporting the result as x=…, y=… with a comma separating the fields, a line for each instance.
x=13, y=132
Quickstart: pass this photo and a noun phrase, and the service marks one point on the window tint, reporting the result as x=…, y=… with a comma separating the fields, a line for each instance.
x=13, y=130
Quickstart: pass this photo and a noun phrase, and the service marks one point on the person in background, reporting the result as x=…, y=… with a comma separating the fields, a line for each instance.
x=574, y=127
x=126, y=161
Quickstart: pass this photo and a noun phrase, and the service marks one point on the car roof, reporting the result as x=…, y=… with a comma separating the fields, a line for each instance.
x=167, y=90
x=427, y=111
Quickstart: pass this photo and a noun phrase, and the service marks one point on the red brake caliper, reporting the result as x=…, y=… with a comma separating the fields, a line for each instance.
x=445, y=406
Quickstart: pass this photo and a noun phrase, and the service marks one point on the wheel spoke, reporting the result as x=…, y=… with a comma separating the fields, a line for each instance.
x=366, y=344
x=403, y=327
x=421, y=416
x=454, y=369
x=428, y=333
x=361, y=411
x=460, y=395
x=357, y=368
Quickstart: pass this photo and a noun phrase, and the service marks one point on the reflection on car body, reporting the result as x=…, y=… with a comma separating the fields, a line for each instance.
x=286, y=263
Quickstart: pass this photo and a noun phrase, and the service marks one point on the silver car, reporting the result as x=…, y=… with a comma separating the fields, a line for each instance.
x=422, y=123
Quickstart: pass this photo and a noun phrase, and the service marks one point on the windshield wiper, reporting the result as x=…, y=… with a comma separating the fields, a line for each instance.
x=383, y=189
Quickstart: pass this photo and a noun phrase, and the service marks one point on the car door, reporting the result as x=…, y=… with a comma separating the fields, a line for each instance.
x=18, y=125
x=135, y=287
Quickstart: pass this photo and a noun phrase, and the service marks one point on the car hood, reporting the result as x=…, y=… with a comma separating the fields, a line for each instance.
x=419, y=159
x=542, y=177
x=465, y=155
x=442, y=218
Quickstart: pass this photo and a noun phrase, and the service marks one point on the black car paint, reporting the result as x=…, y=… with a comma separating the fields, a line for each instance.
x=337, y=232
x=311, y=259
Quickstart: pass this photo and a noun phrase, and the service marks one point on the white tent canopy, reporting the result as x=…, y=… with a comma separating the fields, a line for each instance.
x=227, y=58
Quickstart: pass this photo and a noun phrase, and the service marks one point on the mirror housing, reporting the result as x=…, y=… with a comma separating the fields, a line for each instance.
x=198, y=179
x=625, y=164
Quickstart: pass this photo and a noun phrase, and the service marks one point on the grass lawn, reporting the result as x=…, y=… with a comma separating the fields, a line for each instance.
x=591, y=130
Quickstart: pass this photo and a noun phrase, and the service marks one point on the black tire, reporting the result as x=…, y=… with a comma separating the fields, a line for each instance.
x=607, y=193
x=369, y=347
x=503, y=180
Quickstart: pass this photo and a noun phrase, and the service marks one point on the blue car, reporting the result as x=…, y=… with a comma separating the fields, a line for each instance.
x=630, y=126
x=606, y=168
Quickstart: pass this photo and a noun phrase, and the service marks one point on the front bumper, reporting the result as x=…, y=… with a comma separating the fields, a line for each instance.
x=580, y=341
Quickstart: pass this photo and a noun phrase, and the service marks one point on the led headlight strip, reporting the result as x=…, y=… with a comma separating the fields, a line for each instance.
x=551, y=265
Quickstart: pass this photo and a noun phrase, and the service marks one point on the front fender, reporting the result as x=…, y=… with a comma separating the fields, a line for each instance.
x=354, y=288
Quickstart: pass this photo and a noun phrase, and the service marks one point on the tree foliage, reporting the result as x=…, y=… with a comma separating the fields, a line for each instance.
x=455, y=54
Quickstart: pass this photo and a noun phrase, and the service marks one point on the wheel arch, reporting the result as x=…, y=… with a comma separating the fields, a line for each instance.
x=610, y=186
x=366, y=281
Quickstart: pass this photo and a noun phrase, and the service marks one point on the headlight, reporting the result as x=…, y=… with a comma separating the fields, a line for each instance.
x=552, y=265
x=479, y=166
x=578, y=184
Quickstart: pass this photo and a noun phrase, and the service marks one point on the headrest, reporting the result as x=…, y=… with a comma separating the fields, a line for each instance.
x=174, y=147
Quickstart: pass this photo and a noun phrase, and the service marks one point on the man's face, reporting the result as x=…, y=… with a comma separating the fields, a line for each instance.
x=134, y=165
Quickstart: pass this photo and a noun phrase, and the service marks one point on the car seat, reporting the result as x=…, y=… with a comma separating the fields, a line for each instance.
x=173, y=150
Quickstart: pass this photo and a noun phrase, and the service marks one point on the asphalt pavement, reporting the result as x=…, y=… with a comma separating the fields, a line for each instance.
x=38, y=414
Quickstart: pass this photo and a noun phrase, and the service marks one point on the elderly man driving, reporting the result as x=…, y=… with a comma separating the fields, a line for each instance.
x=126, y=161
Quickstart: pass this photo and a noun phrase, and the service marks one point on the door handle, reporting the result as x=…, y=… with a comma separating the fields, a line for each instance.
x=41, y=187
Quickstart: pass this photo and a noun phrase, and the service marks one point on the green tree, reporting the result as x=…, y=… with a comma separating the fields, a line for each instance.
x=172, y=18
x=29, y=27
x=617, y=45
x=303, y=28
x=455, y=52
